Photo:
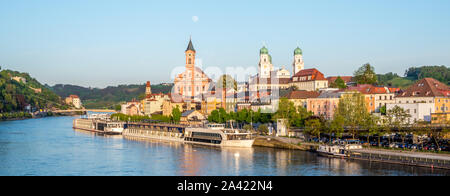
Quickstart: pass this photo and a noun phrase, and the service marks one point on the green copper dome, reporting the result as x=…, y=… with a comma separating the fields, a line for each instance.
x=264, y=50
x=298, y=51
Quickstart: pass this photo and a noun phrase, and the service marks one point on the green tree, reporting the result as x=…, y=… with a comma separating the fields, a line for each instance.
x=336, y=126
x=365, y=75
x=339, y=83
x=176, y=115
x=383, y=110
x=396, y=118
x=263, y=129
x=313, y=127
x=352, y=108
x=286, y=110
x=248, y=127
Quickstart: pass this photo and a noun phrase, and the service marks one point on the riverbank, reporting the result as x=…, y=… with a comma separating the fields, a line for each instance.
x=284, y=143
x=2, y=118
x=421, y=159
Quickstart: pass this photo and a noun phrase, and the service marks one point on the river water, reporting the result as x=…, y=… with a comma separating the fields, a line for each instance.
x=49, y=146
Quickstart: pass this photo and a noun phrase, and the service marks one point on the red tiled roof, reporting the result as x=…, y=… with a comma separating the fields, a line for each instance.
x=370, y=89
x=259, y=80
x=314, y=73
x=427, y=87
x=303, y=94
x=346, y=79
x=73, y=96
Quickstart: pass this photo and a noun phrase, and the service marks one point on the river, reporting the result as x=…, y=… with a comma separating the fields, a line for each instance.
x=49, y=146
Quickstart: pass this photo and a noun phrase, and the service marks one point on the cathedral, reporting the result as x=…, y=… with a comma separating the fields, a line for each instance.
x=269, y=79
x=193, y=83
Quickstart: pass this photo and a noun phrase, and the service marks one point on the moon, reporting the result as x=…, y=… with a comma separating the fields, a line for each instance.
x=195, y=18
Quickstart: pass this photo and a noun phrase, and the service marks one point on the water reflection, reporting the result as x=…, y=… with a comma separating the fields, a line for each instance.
x=51, y=147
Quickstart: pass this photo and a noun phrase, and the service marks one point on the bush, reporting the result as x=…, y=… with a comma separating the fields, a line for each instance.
x=262, y=129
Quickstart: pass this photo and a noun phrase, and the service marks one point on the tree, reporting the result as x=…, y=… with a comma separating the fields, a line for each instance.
x=371, y=126
x=313, y=127
x=118, y=107
x=441, y=73
x=226, y=82
x=176, y=114
x=336, y=126
x=365, y=75
x=383, y=110
x=339, y=83
x=286, y=110
x=247, y=127
x=396, y=118
x=352, y=108
x=262, y=129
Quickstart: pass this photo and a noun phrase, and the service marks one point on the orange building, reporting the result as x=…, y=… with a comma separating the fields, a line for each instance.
x=325, y=104
x=193, y=82
x=376, y=96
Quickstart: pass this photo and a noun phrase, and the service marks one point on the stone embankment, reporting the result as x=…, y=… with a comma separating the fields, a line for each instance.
x=284, y=143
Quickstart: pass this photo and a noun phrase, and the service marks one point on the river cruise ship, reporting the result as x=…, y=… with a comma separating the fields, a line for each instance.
x=158, y=131
x=218, y=135
x=99, y=124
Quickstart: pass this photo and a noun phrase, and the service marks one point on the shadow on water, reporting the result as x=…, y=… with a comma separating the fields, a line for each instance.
x=51, y=147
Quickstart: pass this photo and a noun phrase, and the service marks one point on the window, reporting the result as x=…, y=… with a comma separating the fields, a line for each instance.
x=190, y=61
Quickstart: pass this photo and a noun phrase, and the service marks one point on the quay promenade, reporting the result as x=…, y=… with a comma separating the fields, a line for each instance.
x=421, y=159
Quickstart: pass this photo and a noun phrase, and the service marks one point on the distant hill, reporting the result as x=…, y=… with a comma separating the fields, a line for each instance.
x=441, y=73
x=19, y=89
x=107, y=98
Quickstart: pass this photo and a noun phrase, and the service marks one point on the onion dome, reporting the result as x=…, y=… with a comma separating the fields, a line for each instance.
x=264, y=50
x=298, y=51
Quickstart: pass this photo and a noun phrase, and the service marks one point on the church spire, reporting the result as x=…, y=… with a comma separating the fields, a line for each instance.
x=190, y=46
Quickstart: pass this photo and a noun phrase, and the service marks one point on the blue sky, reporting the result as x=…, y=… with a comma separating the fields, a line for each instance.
x=108, y=42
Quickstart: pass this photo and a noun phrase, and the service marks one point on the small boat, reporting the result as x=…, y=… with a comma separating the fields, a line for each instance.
x=338, y=150
x=331, y=151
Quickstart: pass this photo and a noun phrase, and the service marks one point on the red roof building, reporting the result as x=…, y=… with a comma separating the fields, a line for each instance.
x=309, y=80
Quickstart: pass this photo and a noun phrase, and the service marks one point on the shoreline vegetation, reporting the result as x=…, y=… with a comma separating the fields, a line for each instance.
x=17, y=116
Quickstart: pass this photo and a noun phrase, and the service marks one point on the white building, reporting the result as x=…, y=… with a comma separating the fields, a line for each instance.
x=74, y=100
x=418, y=111
x=309, y=80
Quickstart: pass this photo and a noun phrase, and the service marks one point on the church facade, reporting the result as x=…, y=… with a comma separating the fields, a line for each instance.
x=193, y=83
x=269, y=79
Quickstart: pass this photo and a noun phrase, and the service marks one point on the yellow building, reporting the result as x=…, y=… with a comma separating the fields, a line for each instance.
x=169, y=105
x=299, y=98
x=427, y=90
x=440, y=118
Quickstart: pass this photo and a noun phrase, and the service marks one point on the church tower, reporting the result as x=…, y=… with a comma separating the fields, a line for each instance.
x=190, y=69
x=190, y=56
x=148, y=90
x=265, y=63
x=298, y=64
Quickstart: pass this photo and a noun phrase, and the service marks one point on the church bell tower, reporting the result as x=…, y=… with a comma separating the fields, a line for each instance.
x=298, y=64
